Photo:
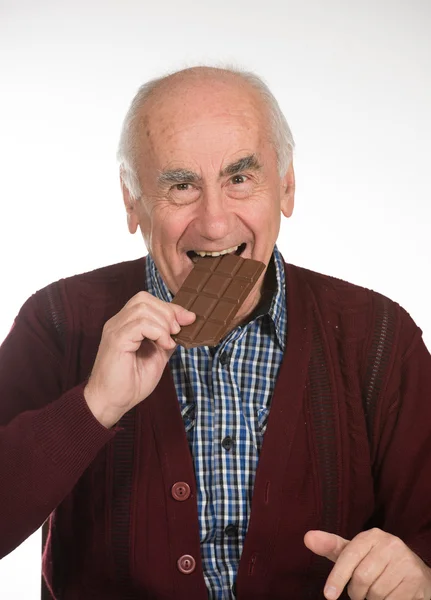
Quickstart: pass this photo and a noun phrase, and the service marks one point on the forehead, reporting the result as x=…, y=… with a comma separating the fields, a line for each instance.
x=184, y=122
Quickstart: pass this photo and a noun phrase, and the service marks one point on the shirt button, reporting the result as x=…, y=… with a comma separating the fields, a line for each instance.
x=224, y=358
x=227, y=443
x=180, y=491
x=231, y=530
x=186, y=564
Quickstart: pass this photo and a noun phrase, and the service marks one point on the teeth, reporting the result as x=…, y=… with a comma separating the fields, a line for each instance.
x=227, y=251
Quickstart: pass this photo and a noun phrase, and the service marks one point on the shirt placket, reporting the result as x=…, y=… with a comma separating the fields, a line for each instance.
x=227, y=490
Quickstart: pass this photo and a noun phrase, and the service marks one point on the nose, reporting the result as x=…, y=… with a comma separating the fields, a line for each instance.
x=214, y=219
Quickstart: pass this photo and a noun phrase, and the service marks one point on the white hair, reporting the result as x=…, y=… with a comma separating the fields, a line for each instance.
x=281, y=135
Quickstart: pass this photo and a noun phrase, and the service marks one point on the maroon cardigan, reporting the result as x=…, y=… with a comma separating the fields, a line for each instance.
x=354, y=360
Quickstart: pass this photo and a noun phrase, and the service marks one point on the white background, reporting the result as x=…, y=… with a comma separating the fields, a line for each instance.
x=353, y=78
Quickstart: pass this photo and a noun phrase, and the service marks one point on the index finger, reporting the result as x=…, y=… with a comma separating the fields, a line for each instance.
x=148, y=299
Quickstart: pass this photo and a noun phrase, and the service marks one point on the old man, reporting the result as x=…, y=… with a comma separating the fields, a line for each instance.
x=291, y=460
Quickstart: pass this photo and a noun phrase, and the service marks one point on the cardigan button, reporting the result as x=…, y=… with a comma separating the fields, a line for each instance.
x=180, y=491
x=186, y=564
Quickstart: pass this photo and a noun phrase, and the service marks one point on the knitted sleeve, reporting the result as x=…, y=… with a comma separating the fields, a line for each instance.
x=48, y=436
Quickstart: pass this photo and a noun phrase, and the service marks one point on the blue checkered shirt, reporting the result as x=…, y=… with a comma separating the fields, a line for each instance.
x=225, y=395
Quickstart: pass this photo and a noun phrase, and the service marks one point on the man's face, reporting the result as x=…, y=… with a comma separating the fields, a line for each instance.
x=209, y=179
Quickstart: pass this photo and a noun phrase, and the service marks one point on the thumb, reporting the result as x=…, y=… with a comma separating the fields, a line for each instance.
x=325, y=544
x=182, y=315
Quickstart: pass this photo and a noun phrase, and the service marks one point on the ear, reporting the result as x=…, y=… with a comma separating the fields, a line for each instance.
x=131, y=208
x=288, y=192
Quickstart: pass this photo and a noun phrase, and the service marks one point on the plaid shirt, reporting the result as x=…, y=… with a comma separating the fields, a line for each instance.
x=225, y=395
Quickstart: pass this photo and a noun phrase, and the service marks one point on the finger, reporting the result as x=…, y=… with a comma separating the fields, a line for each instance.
x=126, y=330
x=133, y=333
x=170, y=309
x=325, y=544
x=176, y=314
x=388, y=581
x=173, y=320
x=162, y=312
x=138, y=298
x=348, y=560
x=184, y=316
x=404, y=591
x=367, y=574
x=142, y=312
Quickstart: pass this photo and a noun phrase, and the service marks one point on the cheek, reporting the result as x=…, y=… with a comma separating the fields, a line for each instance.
x=262, y=214
x=168, y=227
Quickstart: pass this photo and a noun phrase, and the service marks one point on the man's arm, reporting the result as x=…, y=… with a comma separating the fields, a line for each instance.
x=47, y=439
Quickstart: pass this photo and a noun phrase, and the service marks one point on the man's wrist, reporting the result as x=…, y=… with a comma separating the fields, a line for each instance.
x=106, y=415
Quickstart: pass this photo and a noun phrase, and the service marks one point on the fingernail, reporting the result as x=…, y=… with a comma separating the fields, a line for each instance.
x=176, y=327
x=330, y=592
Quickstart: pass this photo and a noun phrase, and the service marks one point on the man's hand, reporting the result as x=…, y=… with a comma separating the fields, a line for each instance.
x=135, y=347
x=374, y=565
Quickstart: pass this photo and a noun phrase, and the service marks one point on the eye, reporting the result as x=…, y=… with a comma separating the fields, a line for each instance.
x=238, y=179
x=183, y=193
x=182, y=187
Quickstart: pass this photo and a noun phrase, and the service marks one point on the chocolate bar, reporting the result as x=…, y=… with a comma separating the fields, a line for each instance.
x=215, y=290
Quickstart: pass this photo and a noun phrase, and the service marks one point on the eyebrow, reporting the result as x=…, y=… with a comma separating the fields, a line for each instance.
x=248, y=163
x=176, y=176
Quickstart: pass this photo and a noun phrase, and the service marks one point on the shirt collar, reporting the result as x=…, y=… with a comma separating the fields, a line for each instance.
x=278, y=307
x=277, y=310
x=155, y=284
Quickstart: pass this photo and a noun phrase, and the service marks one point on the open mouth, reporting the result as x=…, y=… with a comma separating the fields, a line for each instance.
x=238, y=250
